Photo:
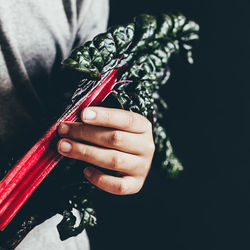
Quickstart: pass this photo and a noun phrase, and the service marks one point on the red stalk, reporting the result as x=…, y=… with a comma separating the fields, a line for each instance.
x=18, y=185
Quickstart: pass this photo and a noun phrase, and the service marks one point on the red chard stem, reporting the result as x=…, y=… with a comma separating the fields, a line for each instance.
x=18, y=185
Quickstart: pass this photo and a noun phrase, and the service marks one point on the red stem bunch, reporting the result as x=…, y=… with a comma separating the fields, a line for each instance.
x=23, y=179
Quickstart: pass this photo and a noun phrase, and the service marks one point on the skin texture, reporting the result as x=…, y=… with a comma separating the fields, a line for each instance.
x=112, y=139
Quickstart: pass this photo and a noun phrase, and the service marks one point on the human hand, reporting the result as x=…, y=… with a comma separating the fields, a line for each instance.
x=120, y=140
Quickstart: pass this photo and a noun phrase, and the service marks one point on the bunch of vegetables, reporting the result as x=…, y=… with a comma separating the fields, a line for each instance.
x=131, y=63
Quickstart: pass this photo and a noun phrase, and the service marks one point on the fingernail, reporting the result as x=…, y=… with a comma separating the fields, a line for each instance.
x=88, y=114
x=63, y=129
x=65, y=147
x=88, y=172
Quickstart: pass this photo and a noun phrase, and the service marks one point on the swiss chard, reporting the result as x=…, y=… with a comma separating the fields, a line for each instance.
x=132, y=63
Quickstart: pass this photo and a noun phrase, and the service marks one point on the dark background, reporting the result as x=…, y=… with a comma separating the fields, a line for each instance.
x=208, y=207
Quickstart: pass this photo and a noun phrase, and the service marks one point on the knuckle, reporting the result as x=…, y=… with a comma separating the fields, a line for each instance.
x=97, y=180
x=83, y=151
x=115, y=138
x=122, y=188
x=116, y=161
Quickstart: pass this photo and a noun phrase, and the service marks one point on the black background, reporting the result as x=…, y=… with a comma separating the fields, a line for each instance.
x=208, y=207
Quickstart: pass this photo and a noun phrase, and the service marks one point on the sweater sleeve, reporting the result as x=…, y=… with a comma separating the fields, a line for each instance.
x=92, y=19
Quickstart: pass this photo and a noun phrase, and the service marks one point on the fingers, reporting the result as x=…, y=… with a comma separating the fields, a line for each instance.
x=103, y=157
x=115, y=185
x=122, y=141
x=114, y=118
x=106, y=137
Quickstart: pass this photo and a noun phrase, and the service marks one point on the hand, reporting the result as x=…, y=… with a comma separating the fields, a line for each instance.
x=120, y=140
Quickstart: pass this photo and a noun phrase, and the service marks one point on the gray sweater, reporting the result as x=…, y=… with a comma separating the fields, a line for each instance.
x=35, y=36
